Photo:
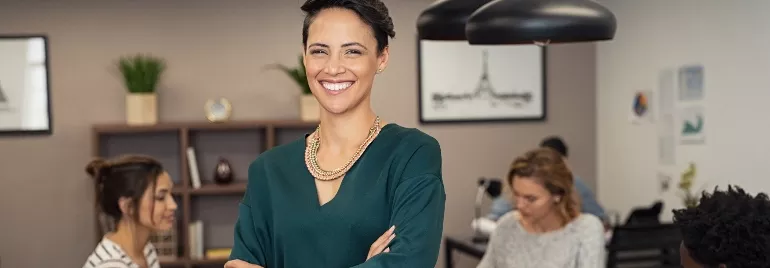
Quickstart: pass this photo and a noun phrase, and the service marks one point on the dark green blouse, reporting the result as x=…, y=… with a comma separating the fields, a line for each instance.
x=397, y=181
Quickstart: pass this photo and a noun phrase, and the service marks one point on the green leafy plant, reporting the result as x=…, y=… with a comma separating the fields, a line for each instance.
x=141, y=73
x=685, y=185
x=297, y=74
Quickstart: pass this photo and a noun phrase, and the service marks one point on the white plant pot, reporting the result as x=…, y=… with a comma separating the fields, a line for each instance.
x=309, y=108
x=142, y=108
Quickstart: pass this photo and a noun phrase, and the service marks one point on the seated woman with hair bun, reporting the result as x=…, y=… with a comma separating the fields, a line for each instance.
x=547, y=228
x=135, y=191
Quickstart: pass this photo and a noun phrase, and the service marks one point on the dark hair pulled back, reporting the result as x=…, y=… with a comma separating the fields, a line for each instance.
x=126, y=176
x=373, y=12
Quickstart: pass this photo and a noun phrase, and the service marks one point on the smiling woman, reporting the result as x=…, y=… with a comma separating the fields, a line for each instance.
x=135, y=191
x=358, y=191
x=346, y=44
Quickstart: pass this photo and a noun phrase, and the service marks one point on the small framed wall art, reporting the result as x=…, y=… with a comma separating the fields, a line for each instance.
x=459, y=82
x=25, y=90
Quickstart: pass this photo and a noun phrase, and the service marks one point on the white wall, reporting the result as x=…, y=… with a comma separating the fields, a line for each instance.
x=732, y=41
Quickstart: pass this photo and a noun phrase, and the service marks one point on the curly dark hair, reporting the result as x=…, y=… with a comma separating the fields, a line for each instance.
x=373, y=12
x=727, y=227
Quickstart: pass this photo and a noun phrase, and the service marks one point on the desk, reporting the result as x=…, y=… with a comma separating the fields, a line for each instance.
x=464, y=245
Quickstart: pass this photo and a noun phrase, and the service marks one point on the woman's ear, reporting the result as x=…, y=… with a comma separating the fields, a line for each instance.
x=382, y=60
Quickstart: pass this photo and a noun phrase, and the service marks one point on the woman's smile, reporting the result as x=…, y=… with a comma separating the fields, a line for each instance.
x=336, y=87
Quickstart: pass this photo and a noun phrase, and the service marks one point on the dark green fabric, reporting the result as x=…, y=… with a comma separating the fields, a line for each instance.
x=397, y=181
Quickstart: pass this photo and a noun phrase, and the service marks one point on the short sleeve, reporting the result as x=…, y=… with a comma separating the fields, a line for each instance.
x=251, y=237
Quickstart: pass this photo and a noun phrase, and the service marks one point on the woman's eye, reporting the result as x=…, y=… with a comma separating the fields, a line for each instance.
x=160, y=198
x=317, y=51
x=354, y=51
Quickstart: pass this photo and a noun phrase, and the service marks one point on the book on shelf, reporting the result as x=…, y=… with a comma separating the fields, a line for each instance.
x=196, y=240
x=192, y=163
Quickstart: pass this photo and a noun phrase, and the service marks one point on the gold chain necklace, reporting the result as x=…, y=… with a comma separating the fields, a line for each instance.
x=311, y=154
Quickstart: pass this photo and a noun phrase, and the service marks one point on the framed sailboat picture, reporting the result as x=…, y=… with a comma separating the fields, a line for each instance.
x=25, y=105
x=459, y=82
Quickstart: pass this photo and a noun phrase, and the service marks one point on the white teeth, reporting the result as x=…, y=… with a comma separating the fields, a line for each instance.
x=336, y=86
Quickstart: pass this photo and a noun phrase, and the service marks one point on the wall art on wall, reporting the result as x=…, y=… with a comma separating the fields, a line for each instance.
x=691, y=83
x=641, y=109
x=666, y=141
x=25, y=106
x=463, y=83
x=692, y=125
x=666, y=124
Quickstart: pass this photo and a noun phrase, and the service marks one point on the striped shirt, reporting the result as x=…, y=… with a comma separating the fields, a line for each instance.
x=108, y=254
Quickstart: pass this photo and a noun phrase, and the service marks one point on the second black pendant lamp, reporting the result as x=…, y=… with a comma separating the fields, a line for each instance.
x=445, y=19
x=502, y=22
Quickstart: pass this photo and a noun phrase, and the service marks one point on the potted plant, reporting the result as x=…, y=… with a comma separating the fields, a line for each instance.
x=141, y=75
x=309, y=108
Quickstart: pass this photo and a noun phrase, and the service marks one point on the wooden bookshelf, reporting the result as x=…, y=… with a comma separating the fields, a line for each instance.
x=240, y=142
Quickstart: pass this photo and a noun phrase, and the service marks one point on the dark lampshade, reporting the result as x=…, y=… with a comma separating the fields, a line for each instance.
x=502, y=22
x=445, y=19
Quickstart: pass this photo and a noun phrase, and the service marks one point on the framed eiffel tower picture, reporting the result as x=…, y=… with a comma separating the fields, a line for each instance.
x=25, y=106
x=459, y=82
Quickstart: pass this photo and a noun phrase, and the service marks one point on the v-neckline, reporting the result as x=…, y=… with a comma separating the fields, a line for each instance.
x=344, y=179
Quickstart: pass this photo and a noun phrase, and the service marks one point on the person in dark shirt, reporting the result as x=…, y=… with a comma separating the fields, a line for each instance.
x=323, y=200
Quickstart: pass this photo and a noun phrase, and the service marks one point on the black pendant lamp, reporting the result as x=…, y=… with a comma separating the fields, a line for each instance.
x=503, y=22
x=445, y=19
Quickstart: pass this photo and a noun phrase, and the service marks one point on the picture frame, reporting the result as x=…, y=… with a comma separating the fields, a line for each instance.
x=25, y=85
x=463, y=83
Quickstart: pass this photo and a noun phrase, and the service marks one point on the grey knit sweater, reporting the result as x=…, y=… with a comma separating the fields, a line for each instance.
x=580, y=244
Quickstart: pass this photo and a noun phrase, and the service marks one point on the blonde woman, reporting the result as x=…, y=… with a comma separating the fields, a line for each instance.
x=547, y=228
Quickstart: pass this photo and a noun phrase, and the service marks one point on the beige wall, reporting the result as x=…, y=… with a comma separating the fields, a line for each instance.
x=216, y=48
